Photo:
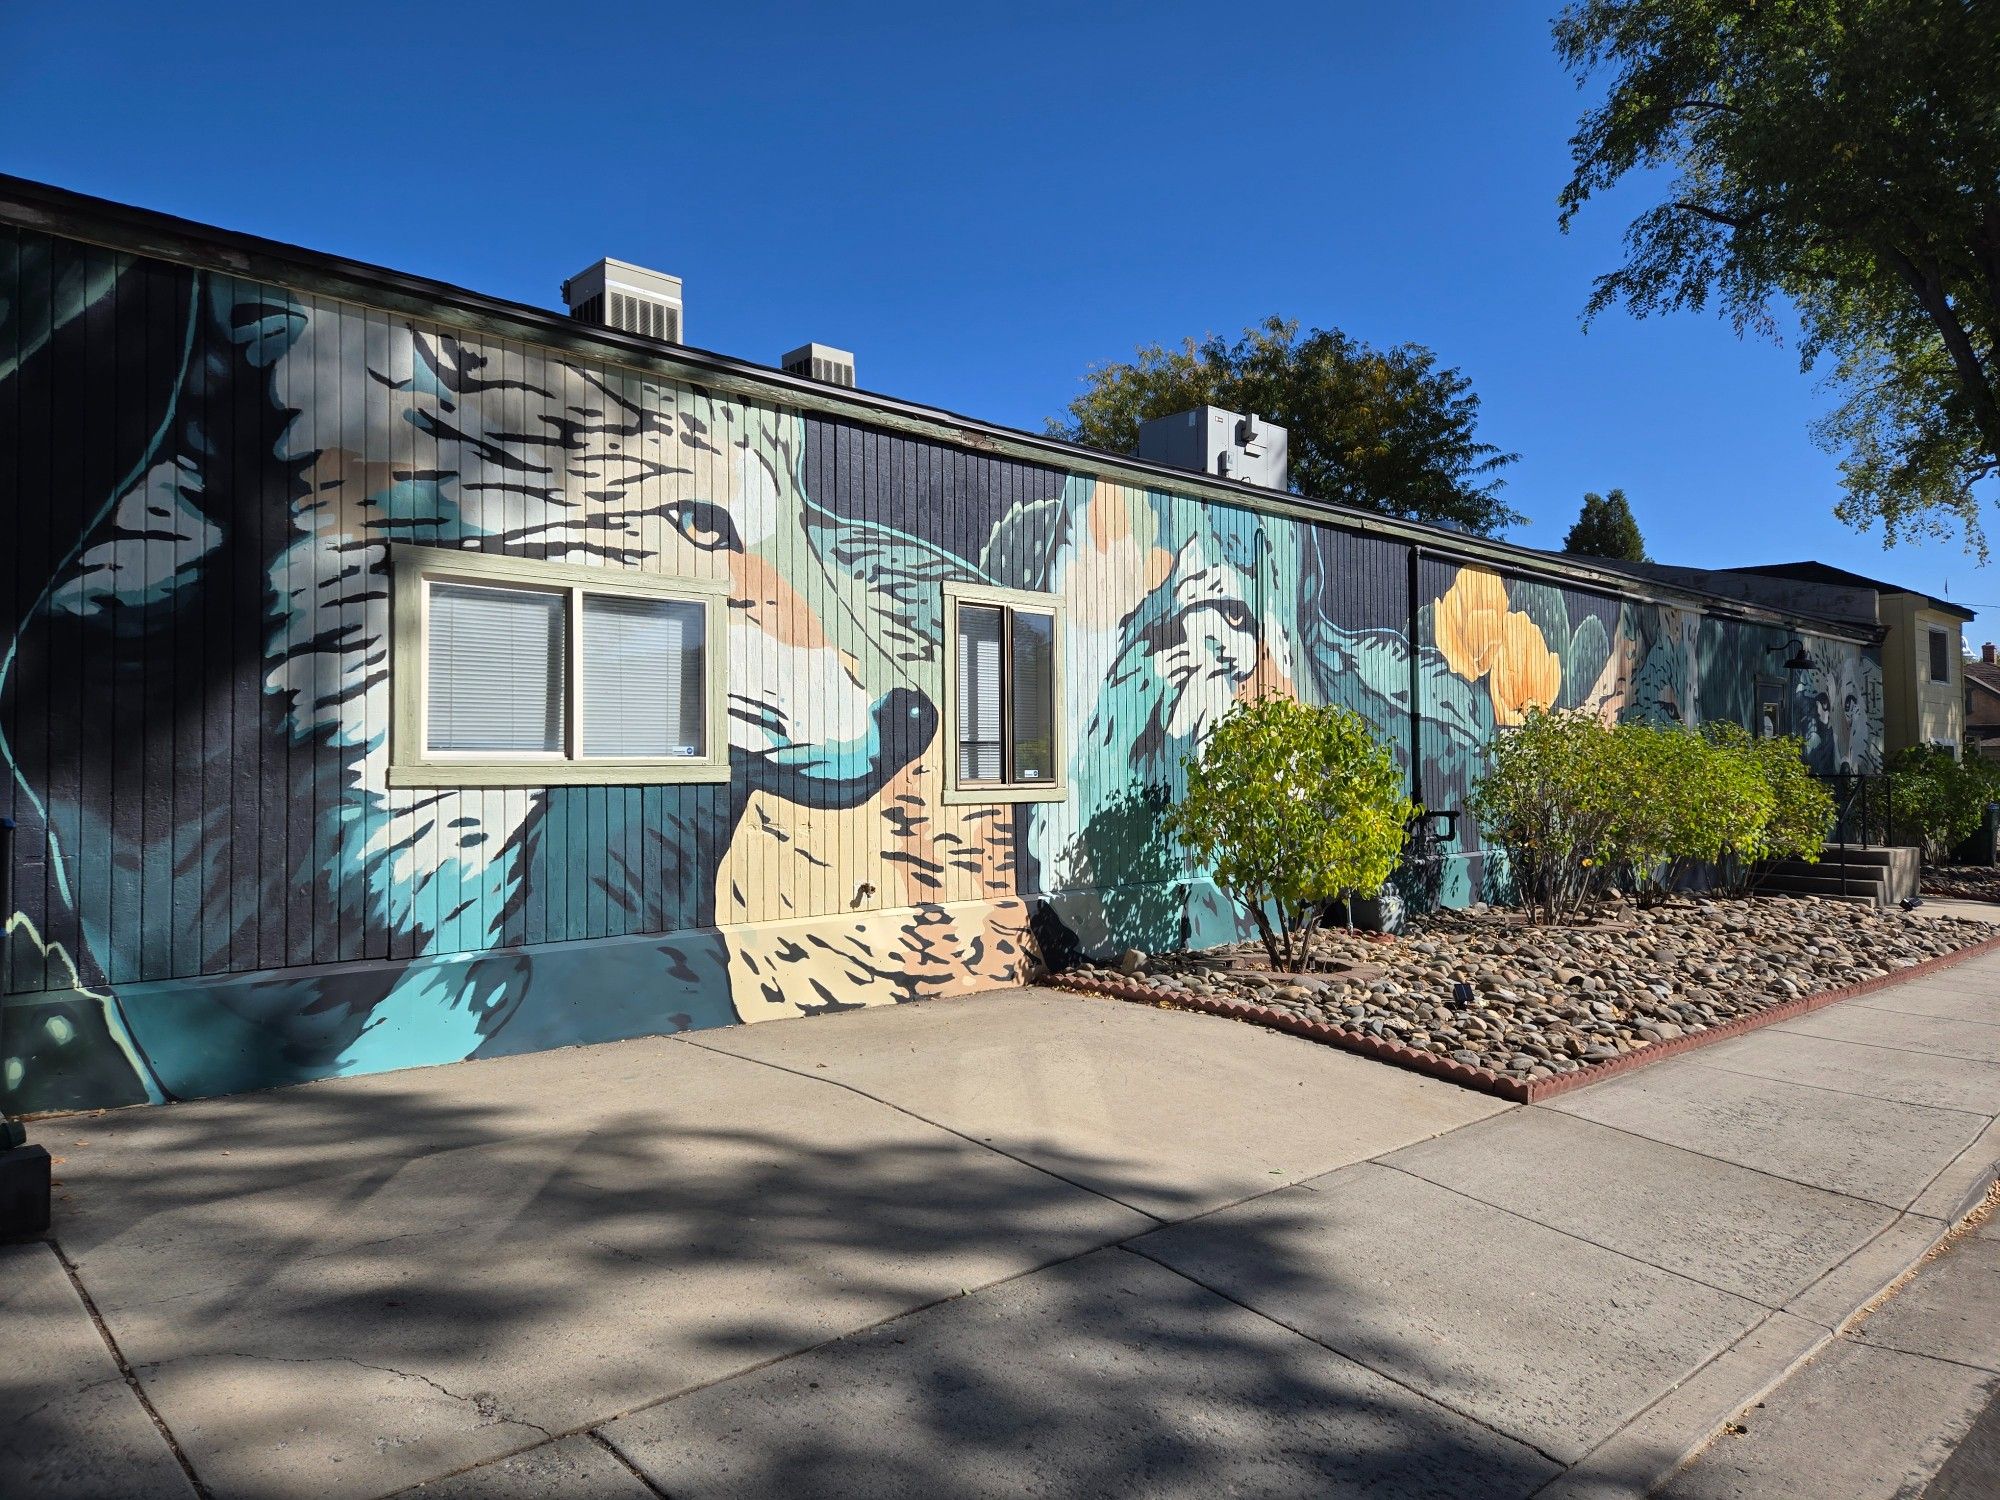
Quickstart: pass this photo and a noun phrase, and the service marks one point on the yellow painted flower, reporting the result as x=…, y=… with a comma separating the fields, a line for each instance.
x=1526, y=673
x=1468, y=622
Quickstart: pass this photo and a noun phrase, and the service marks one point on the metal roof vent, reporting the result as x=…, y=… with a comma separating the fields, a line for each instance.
x=632, y=299
x=821, y=362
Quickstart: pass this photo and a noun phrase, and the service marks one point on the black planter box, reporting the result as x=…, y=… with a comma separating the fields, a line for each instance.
x=24, y=1192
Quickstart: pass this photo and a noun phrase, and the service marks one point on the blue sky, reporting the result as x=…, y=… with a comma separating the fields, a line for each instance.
x=979, y=202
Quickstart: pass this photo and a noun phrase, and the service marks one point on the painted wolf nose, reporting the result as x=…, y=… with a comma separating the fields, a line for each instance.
x=902, y=724
x=905, y=721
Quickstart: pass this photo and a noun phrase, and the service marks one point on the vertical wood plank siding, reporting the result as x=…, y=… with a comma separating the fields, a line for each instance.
x=218, y=887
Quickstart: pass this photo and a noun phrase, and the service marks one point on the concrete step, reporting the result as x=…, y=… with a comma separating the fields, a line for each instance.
x=1786, y=869
x=1869, y=854
x=1825, y=885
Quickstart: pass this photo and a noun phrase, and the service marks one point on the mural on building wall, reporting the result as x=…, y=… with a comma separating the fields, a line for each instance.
x=1530, y=644
x=218, y=889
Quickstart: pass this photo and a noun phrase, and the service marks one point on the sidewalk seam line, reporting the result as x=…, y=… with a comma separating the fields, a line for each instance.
x=1396, y=1381
x=125, y=1370
x=1893, y=1208
x=687, y=1039
x=619, y=1454
x=1584, y=1239
x=1825, y=1337
x=1920, y=1015
x=1828, y=1088
x=1861, y=1341
x=1884, y=1046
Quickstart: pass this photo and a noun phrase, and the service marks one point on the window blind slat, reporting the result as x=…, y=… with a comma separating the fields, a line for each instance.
x=496, y=662
x=644, y=677
x=978, y=693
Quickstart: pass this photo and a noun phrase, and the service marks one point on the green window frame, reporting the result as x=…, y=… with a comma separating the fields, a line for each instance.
x=1018, y=762
x=417, y=572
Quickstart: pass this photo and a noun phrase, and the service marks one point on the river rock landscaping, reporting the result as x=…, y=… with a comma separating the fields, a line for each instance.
x=1484, y=989
x=1963, y=882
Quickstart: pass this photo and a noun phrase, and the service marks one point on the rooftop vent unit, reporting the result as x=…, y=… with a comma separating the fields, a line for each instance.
x=1209, y=440
x=632, y=299
x=820, y=362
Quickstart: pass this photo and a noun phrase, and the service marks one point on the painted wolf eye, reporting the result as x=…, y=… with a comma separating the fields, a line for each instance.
x=1235, y=614
x=705, y=525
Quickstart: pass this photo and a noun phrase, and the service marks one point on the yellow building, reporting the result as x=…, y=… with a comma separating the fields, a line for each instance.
x=1923, y=671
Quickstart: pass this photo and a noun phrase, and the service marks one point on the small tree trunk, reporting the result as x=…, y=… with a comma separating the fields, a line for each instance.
x=1256, y=910
x=1307, y=935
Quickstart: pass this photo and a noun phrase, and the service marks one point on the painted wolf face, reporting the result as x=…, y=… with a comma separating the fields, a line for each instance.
x=374, y=433
x=1837, y=708
x=1176, y=611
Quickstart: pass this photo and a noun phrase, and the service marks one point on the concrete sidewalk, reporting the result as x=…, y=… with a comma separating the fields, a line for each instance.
x=1023, y=1242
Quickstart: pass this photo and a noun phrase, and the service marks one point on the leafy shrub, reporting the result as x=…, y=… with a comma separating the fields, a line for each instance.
x=1683, y=800
x=1802, y=812
x=1935, y=798
x=1292, y=808
x=1802, y=808
x=1576, y=805
x=1548, y=800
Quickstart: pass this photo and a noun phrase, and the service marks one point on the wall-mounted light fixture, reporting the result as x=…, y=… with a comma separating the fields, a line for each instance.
x=1799, y=660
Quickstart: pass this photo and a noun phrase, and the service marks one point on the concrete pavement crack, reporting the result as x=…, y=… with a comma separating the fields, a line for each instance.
x=481, y=1402
x=689, y=1041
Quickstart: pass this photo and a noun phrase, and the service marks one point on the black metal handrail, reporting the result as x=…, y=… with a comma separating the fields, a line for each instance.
x=1864, y=808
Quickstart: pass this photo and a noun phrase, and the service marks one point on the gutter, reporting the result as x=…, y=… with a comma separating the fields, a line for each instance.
x=51, y=210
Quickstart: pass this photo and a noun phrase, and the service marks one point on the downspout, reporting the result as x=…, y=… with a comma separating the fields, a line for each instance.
x=1416, y=689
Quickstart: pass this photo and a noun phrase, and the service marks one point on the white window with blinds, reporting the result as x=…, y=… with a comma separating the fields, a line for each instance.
x=1003, y=690
x=512, y=672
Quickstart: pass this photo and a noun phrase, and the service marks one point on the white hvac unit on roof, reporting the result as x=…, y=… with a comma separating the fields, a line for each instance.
x=821, y=362
x=632, y=299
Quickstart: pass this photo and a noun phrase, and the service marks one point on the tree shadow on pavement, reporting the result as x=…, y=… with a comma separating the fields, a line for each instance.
x=349, y=1287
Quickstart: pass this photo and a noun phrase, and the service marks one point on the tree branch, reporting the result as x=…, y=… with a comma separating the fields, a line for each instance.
x=1928, y=286
x=1713, y=217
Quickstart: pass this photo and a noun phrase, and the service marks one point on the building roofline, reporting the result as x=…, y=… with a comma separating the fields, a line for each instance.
x=58, y=211
x=1808, y=571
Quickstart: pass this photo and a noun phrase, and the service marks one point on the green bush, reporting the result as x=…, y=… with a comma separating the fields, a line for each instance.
x=1576, y=805
x=1291, y=808
x=1683, y=800
x=1935, y=798
x=1548, y=800
x=1801, y=810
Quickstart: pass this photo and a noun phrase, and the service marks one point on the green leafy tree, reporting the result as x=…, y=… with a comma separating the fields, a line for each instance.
x=1606, y=528
x=1291, y=808
x=1379, y=429
x=1842, y=158
x=1548, y=800
x=1935, y=798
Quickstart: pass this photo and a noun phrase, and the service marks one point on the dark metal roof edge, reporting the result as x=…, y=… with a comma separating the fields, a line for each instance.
x=40, y=206
x=1858, y=580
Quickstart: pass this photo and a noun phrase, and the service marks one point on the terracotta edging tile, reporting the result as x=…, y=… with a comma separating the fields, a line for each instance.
x=1504, y=1085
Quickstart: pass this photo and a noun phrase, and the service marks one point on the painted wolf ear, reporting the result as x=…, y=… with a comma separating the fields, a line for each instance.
x=899, y=575
x=1027, y=541
x=1021, y=553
